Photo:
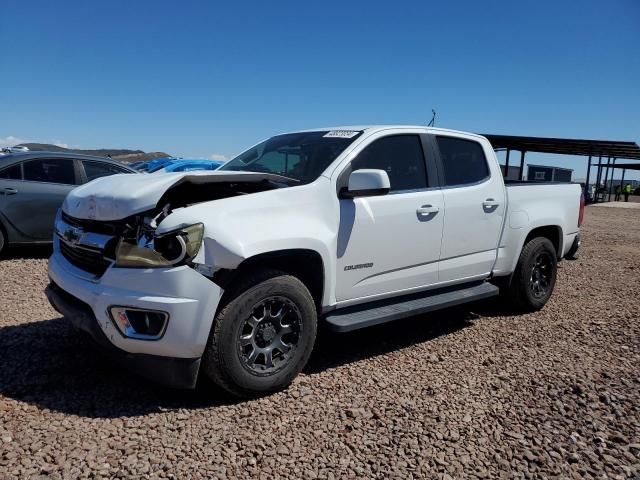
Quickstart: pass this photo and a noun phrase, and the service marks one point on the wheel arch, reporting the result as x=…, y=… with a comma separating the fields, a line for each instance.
x=5, y=232
x=305, y=264
x=11, y=232
x=551, y=232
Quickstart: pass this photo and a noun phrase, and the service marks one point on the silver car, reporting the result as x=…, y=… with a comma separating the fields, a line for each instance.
x=33, y=186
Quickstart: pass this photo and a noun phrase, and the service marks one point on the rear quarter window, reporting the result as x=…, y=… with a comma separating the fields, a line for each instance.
x=94, y=169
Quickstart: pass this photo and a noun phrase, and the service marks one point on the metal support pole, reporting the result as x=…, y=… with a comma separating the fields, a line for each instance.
x=506, y=165
x=622, y=179
x=613, y=171
x=522, y=164
x=606, y=175
x=586, y=183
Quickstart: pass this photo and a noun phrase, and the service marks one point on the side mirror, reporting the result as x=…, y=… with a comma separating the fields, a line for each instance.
x=367, y=183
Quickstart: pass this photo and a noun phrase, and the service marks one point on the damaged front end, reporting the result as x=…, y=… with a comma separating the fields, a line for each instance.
x=98, y=228
x=131, y=243
x=140, y=246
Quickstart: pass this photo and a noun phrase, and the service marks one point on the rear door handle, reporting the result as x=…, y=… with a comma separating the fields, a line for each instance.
x=428, y=209
x=490, y=202
x=8, y=191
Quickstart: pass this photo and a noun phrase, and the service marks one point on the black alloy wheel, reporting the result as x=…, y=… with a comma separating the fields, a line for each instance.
x=541, y=275
x=269, y=336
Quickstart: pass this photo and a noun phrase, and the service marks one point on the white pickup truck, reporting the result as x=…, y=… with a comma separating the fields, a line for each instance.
x=228, y=273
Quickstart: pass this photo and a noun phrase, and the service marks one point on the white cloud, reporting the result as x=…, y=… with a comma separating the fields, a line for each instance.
x=218, y=156
x=11, y=141
x=58, y=143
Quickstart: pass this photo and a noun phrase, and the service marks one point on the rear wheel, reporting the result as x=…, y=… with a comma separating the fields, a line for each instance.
x=535, y=275
x=263, y=336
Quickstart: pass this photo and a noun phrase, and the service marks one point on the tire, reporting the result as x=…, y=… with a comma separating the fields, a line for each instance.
x=535, y=276
x=270, y=309
x=2, y=240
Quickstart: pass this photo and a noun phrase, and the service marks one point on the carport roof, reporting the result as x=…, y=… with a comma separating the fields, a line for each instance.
x=566, y=146
x=627, y=166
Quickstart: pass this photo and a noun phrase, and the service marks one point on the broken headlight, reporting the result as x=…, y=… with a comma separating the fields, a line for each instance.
x=169, y=249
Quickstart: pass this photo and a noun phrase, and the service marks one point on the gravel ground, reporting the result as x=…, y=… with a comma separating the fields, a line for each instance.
x=472, y=392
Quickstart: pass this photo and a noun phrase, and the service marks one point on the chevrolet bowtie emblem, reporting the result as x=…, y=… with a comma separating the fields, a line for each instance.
x=72, y=235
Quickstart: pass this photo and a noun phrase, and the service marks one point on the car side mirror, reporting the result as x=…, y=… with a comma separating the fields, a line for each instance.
x=367, y=183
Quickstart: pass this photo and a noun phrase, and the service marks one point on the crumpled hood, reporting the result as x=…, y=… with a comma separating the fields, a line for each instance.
x=119, y=196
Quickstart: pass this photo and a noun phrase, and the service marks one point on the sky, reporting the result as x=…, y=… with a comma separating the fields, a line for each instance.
x=207, y=79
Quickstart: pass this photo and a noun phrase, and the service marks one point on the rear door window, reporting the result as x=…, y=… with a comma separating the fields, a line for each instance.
x=14, y=172
x=95, y=170
x=50, y=170
x=463, y=161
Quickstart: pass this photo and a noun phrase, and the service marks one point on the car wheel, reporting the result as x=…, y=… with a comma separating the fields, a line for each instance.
x=2, y=240
x=263, y=335
x=535, y=275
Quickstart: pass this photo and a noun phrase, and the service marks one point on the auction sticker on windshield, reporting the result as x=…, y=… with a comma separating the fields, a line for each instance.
x=341, y=133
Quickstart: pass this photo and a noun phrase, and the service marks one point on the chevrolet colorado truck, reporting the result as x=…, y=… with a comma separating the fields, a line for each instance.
x=229, y=273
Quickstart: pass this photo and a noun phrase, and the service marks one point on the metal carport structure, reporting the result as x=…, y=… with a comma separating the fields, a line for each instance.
x=609, y=149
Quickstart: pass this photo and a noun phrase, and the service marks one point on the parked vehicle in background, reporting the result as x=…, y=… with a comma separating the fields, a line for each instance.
x=182, y=165
x=33, y=186
x=229, y=272
x=169, y=164
x=154, y=164
x=137, y=165
x=16, y=149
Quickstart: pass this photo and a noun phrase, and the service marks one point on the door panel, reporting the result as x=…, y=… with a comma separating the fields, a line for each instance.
x=474, y=212
x=385, y=245
x=390, y=243
x=32, y=204
x=31, y=211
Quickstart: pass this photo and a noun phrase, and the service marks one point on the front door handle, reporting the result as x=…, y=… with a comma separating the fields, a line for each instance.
x=8, y=191
x=428, y=210
x=490, y=203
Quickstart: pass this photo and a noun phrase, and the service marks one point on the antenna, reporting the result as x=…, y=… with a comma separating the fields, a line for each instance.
x=432, y=123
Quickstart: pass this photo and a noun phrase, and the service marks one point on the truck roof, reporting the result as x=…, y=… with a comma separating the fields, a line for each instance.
x=376, y=128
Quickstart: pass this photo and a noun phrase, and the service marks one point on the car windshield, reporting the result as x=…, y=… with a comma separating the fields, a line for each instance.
x=300, y=156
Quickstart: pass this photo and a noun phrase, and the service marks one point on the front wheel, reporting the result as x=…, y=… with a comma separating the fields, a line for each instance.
x=263, y=337
x=535, y=275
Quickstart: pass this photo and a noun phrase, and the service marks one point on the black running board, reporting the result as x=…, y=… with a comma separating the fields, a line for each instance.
x=361, y=316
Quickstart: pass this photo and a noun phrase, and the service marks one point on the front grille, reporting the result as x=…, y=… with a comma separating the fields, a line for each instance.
x=88, y=244
x=105, y=228
x=86, y=259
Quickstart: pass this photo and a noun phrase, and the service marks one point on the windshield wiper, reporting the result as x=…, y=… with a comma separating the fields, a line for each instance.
x=285, y=180
x=294, y=180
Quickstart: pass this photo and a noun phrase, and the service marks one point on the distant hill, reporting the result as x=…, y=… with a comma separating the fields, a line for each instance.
x=126, y=156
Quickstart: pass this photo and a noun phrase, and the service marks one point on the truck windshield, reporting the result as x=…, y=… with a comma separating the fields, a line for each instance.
x=300, y=156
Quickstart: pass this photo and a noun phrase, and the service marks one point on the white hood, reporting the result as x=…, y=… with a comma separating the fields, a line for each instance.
x=120, y=196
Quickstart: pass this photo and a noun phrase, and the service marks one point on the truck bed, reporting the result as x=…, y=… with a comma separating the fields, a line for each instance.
x=532, y=205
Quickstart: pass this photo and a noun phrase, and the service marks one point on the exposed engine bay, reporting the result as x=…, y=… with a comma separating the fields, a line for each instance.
x=197, y=189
